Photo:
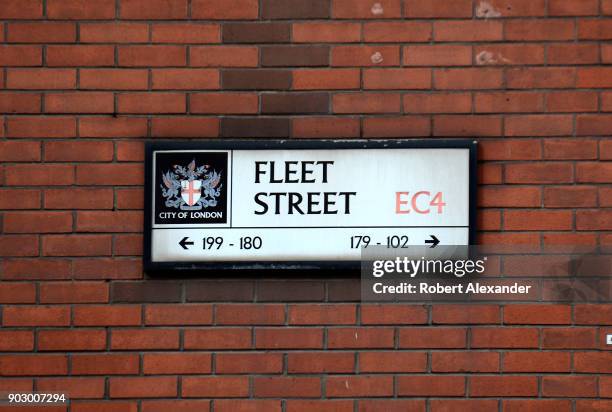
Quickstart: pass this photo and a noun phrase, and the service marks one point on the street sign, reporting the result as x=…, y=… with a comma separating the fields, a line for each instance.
x=303, y=203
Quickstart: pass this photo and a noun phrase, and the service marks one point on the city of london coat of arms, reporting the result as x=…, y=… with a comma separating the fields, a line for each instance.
x=192, y=187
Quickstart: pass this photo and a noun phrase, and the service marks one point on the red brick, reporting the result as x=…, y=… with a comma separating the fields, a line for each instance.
x=71, y=340
x=78, y=151
x=393, y=314
x=534, y=173
x=250, y=314
x=196, y=405
x=536, y=362
x=81, y=9
x=287, y=387
x=539, y=405
x=322, y=314
x=37, y=222
x=153, y=9
x=541, y=78
x=231, y=405
x=78, y=198
x=113, y=32
x=130, y=152
x=18, y=151
x=128, y=245
x=587, y=125
x=569, y=386
x=392, y=362
x=504, y=338
x=339, y=338
x=248, y=363
x=176, y=363
x=457, y=31
x=466, y=125
x=185, y=79
x=22, y=269
x=119, y=221
x=105, y=364
x=80, y=55
x=462, y=314
x=510, y=149
x=110, y=174
x=218, y=338
x=567, y=53
x=397, y=79
x=20, y=55
x=539, y=125
x=223, y=56
x=606, y=7
x=78, y=388
x=41, y=32
x=224, y=9
x=463, y=405
x=21, y=9
x=112, y=127
x=538, y=220
x=402, y=31
x=143, y=387
x=28, y=198
x=113, y=79
x=185, y=127
x=41, y=78
x=104, y=406
x=465, y=362
x=223, y=103
x=509, y=102
x=509, y=54
x=569, y=239
x=326, y=32
x=289, y=338
x=467, y=78
x=432, y=338
x=18, y=245
x=530, y=30
x=363, y=9
x=42, y=127
x=130, y=198
x=437, y=8
x=512, y=8
x=437, y=55
x=16, y=341
x=359, y=386
x=366, y=103
x=503, y=386
x=594, y=220
x=594, y=77
x=17, y=292
x=592, y=314
x=365, y=56
x=104, y=315
x=396, y=126
x=76, y=245
x=19, y=102
x=433, y=385
x=321, y=362
x=594, y=29
x=594, y=172
x=192, y=314
x=326, y=79
x=298, y=405
x=39, y=315
x=32, y=175
x=391, y=405
x=325, y=127
x=437, y=103
x=186, y=33
x=153, y=56
x=144, y=103
x=593, y=362
x=122, y=339
x=570, y=196
x=74, y=292
x=33, y=365
x=572, y=8
x=215, y=386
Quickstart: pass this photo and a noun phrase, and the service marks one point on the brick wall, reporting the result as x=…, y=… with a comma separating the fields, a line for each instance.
x=84, y=82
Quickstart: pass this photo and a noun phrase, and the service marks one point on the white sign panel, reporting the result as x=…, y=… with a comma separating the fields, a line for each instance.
x=311, y=201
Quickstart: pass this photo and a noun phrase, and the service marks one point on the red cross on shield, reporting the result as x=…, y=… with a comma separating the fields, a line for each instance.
x=191, y=190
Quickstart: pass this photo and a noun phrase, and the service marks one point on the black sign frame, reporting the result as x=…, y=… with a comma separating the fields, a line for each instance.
x=151, y=146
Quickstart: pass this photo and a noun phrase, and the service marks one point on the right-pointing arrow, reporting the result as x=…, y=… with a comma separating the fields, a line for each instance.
x=433, y=241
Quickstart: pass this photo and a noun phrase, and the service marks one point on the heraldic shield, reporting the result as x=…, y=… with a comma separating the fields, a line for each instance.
x=191, y=191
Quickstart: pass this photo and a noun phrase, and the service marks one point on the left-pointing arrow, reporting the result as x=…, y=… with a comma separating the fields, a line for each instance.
x=185, y=242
